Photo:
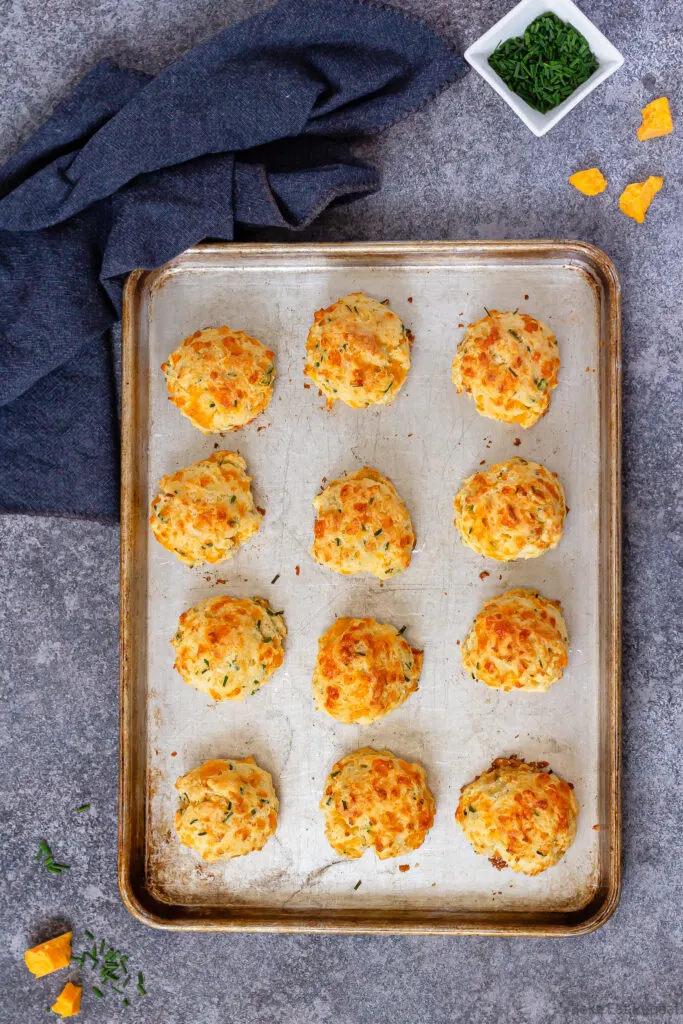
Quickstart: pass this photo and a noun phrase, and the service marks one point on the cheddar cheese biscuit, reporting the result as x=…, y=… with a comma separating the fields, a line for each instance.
x=229, y=647
x=515, y=509
x=519, y=815
x=509, y=364
x=518, y=641
x=205, y=512
x=364, y=670
x=374, y=800
x=220, y=379
x=227, y=808
x=362, y=525
x=358, y=352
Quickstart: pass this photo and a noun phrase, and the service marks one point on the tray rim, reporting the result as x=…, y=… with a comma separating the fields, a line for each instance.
x=136, y=897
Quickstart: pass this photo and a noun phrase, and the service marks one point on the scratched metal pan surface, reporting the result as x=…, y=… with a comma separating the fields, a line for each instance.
x=427, y=441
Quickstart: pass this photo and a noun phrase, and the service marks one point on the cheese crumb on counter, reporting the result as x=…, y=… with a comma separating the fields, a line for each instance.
x=591, y=182
x=636, y=197
x=657, y=120
x=49, y=956
x=68, y=1002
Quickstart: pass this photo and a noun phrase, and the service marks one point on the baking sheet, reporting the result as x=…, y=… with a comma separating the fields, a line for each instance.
x=426, y=442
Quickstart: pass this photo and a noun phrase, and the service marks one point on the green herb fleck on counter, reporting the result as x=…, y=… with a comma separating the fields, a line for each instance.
x=46, y=857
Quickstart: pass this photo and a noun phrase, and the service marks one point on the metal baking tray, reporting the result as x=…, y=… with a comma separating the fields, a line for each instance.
x=426, y=442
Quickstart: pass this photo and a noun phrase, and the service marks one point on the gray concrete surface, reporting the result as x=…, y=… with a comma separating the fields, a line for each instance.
x=464, y=167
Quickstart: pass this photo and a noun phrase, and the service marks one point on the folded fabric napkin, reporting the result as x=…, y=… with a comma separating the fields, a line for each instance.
x=243, y=131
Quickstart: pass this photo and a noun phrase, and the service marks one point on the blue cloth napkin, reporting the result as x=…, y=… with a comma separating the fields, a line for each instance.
x=245, y=131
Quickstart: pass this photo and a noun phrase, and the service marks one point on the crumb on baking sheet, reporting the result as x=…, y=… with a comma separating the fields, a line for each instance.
x=518, y=441
x=404, y=867
x=297, y=569
x=484, y=575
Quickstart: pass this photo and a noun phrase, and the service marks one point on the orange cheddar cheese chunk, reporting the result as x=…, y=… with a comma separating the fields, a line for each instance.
x=49, y=956
x=68, y=1002
x=591, y=182
x=657, y=120
x=636, y=198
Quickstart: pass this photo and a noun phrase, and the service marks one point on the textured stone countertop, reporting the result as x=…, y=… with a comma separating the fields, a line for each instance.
x=464, y=167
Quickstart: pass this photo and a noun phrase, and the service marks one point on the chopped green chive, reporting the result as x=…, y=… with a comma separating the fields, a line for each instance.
x=546, y=64
x=83, y=807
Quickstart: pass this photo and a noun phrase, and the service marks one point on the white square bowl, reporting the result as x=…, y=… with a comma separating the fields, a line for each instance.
x=514, y=24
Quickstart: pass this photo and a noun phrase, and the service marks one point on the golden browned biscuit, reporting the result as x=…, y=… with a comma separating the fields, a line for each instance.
x=508, y=362
x=374, y=800
x=358, y=352
x=220, y=379
x=205, y=512
x=519, y=815
x=364, y=670
x=518, y=641
x=227, y=808
x=362, y=525
x=229, y=647
x=515, y=509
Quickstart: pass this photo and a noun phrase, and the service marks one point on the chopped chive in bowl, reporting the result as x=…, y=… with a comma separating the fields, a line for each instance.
x=546, y=64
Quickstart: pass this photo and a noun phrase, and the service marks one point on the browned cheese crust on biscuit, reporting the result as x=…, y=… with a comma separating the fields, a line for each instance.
x=229, y=647
x=519, y=815
x=518, y=641
x=220, y=379
x=228, y=808
x=364, y=670
x=375, y=800
x=358, y=352
x=509, y=363
x=362, y=525
x=515, y=509
x=205, y=512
